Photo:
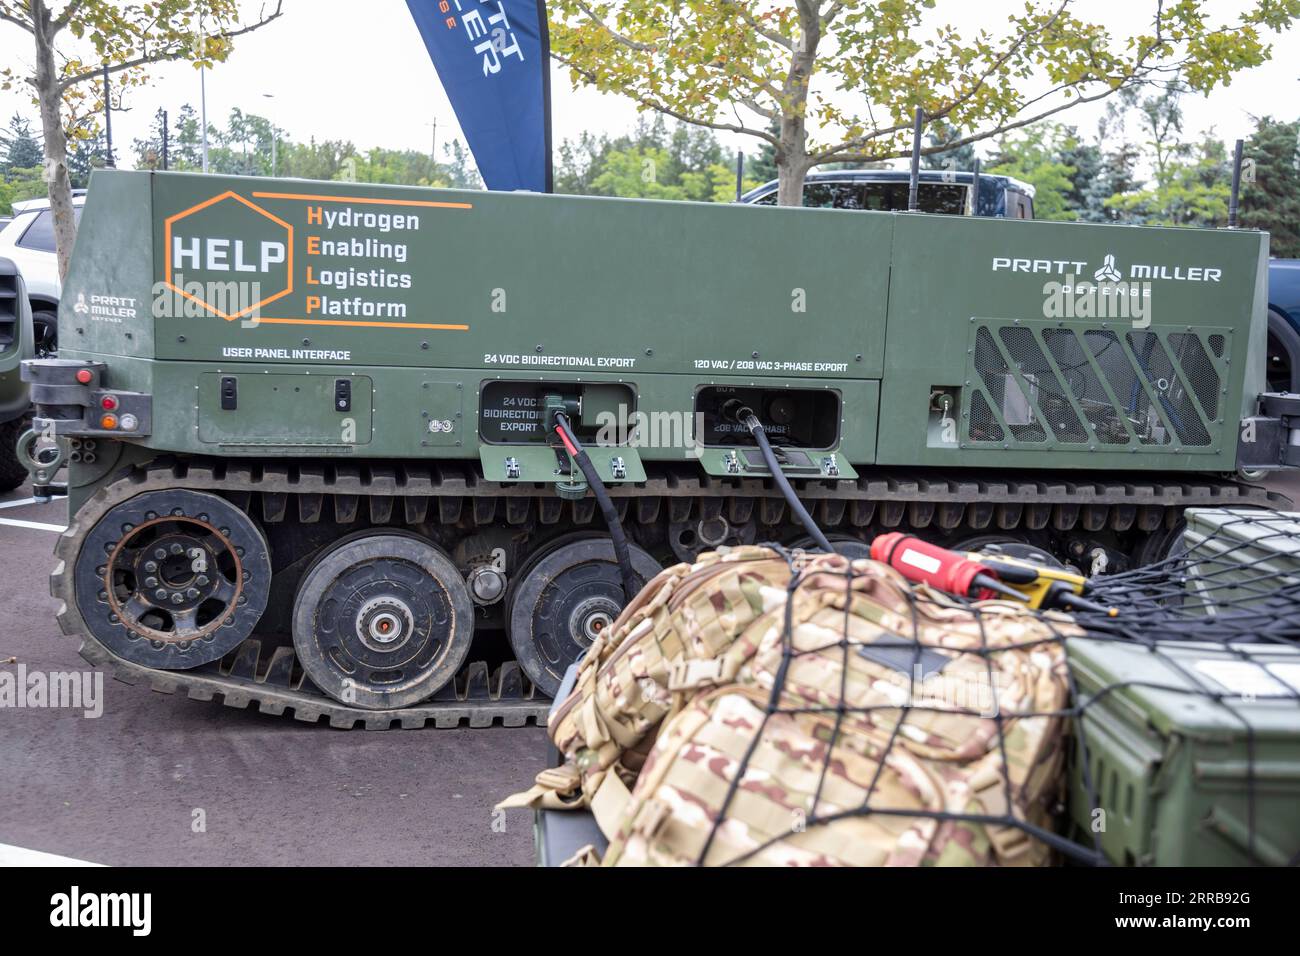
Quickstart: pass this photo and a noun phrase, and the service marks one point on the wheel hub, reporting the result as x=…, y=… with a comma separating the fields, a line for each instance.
x=591, y=617
x=384, y=622
x=177, y=571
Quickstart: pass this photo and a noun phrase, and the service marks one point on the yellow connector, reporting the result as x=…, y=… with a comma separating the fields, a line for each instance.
x=1042, y=586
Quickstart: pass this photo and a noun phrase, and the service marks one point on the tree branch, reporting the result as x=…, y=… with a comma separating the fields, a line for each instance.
x=1001, y=61
x=166, y=53
x=64, y=18
x=768, y=34
x=838, y=155
x=833, y=11
x=17, y=21
x=750, y=103
x=669, y=111
x=613, y=34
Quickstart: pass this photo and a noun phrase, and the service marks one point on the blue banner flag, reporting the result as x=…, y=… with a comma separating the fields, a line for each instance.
x=493, y=59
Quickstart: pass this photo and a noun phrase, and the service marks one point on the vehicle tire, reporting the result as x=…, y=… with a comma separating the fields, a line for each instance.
x=1283, y=372
x=12, y=474
x=1161, y=545
x=45, y=333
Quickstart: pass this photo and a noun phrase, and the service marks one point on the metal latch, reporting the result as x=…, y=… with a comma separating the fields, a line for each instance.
x=617, y=468
x=830, y=467
x=512, y=468
x=342, y=395
x=229, y=393
x=732, y=463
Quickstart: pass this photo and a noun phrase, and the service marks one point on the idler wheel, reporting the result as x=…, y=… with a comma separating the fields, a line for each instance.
x=382, y=621
x=172, y=579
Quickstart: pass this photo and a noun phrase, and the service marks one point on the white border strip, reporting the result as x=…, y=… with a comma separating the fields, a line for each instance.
x=18, y=856
x=34, y=525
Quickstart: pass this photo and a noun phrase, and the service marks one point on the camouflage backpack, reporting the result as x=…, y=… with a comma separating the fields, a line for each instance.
x=687, y=616
x=860, y=694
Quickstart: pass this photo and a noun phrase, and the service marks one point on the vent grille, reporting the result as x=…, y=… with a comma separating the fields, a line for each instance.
x=1095, y=389
x=8, y=311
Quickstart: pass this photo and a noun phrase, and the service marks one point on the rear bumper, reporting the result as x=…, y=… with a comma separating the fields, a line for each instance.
x=1270, y=440
x=71, y=399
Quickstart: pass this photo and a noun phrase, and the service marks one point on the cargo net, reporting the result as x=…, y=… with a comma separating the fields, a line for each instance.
x=949, y=732
x=1233, y=579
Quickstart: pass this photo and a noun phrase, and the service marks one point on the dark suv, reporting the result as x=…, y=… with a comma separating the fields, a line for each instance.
x=885, y=190
x=1284, y=325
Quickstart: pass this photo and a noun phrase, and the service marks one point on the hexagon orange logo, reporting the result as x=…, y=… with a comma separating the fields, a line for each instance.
x=228, y=255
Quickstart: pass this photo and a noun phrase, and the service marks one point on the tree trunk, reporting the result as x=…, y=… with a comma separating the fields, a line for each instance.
x=792, y=154
x=791, y=162
x=50, y=98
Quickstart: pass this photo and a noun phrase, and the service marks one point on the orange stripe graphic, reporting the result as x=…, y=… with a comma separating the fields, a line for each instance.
x=367, y=200
x=375, y=325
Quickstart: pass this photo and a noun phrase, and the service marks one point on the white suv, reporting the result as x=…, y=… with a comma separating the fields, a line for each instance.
x=28, y=239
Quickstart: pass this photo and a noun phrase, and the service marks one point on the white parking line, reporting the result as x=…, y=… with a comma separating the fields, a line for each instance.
x=34, y=525
x=18, y=504
x=18, y=856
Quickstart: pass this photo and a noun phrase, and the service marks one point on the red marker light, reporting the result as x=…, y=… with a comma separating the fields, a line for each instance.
x=108, y=403
x=84, y=376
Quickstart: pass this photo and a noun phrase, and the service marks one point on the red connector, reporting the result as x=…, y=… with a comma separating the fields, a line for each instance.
x=938, y=567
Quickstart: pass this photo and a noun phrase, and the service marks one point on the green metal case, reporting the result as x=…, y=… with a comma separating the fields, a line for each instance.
x=1174, y=770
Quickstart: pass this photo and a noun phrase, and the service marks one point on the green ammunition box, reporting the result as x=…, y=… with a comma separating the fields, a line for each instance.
x=1241, y=555
x=1182, y=779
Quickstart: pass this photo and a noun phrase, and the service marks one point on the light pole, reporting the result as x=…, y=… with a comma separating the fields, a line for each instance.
x=108, y=121
x=433, y=145
x=274, y=137
x=203, y=92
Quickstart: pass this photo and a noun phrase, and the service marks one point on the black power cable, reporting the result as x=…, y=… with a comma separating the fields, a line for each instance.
x=746, y=417
x=632, y=584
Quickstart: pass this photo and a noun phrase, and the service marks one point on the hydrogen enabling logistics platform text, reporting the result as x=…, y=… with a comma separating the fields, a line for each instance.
x=358, y=248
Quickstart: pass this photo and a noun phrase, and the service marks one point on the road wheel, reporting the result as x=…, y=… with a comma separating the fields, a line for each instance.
x=172, y=579
x=382, y=621
x=844, y=544
x=1011, y=545
x=567, y=598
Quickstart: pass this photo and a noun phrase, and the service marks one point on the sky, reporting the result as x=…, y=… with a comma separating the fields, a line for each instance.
x=339, y=69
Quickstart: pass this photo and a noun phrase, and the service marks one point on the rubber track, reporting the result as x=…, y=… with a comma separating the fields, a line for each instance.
x=918, y=500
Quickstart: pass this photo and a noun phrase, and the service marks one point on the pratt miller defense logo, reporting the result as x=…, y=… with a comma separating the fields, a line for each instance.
x=1108, y=272
x=228, y=255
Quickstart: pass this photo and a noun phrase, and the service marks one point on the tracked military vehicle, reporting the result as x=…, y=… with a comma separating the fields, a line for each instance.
x=395, y=455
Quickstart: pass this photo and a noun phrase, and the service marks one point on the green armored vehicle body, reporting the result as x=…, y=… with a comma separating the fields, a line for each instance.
x=312, y=426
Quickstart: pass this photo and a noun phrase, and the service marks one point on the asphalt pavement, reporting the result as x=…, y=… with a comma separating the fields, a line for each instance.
x=158, y=780
x=161, y=780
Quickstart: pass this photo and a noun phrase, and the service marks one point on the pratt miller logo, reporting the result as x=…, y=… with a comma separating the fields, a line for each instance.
x=1108, y=272
x=75, y=908
x=226, y=256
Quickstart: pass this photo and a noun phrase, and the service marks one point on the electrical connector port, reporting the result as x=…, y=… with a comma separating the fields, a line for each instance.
x=792, y=417
x=516, y=413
